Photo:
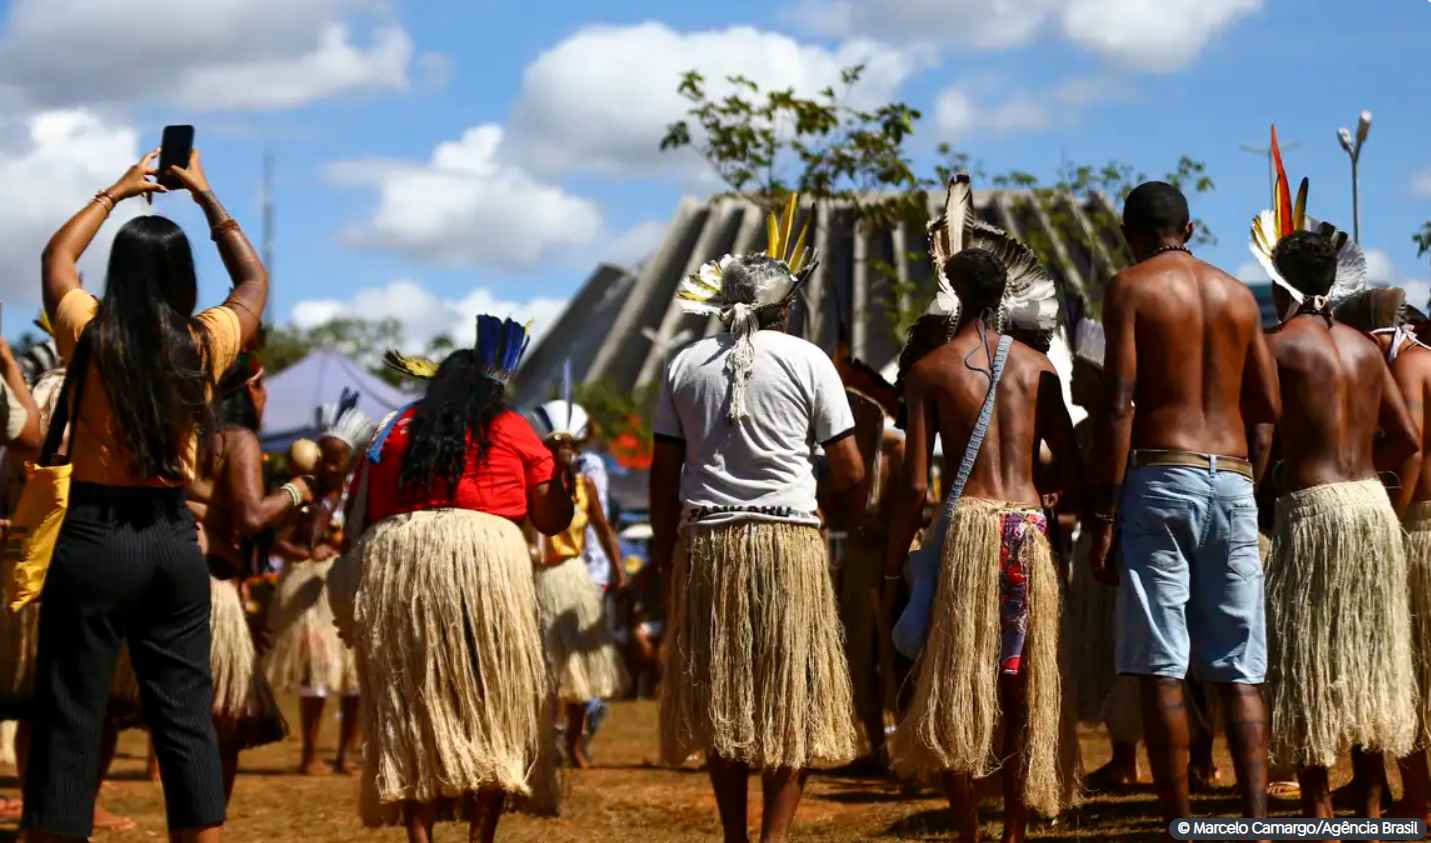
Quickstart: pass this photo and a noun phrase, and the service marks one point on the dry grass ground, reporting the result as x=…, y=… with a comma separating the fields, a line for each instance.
x=625, y=798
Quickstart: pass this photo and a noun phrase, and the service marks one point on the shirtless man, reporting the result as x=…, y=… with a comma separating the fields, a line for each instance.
x=1185, y=346
x=1338, y=560
x=1410, y=362
x=993, y=634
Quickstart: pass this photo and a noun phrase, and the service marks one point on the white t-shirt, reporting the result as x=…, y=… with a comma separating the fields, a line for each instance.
x=597, y=565
x=762, y=468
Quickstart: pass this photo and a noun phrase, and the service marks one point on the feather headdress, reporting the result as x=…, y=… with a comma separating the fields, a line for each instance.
x=1030, y=296
x=1285, y=217
x=777, y=275
x=561, y=418
x=344, y=421
x=703, y=291
x=501, y=343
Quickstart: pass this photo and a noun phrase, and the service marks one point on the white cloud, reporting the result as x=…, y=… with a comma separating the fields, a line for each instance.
x=1421, y=183
x=50, y=164
x=1156, y=37
x=1153, y=37
x=1380, y=268
x=425, y=315
x=214, y=55
x=600, y=100
x=958, y=110
x=466, y=207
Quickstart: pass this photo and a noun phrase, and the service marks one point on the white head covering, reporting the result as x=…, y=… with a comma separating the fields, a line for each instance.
x=345, y=422
x=561, y=418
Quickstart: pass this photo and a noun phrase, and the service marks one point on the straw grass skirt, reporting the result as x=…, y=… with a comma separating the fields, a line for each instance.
x=245, y=711
x=443, y=615
x=954, y=720
x=1418, y=564
x=1340, y=668
x=580, y=649
x=308, y=657
x=754, y=664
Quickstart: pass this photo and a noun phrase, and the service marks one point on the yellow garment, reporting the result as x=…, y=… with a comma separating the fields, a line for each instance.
x=570, y=542
x=102, y=456
x=34, y=530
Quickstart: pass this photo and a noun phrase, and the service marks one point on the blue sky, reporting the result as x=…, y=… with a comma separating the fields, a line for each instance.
x=436, y=158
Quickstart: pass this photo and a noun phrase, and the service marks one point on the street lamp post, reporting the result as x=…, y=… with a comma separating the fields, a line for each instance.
x=1353, y=150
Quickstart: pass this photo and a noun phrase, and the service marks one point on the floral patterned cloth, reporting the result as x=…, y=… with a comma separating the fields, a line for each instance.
x=1013, y=587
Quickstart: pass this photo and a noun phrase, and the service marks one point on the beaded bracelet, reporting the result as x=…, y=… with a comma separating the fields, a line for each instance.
x=293, y=494
x=105, y=201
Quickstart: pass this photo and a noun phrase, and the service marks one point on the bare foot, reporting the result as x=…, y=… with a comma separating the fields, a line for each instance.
x=578, y=757
x=1112, y=776
x=342, y=768
x=11, y=809
x=313, y=767
x=1284, y=791
x=106, y=821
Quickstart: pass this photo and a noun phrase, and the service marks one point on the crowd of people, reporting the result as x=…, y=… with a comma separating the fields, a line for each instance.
x=1237, y=535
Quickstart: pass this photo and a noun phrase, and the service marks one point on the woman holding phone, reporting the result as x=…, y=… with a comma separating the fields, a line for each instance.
x=127, y=566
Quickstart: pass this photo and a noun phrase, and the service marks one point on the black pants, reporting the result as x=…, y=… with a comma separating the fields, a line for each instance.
x=127, y=568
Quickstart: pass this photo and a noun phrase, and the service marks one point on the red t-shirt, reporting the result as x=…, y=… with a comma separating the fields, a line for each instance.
x=516, y=460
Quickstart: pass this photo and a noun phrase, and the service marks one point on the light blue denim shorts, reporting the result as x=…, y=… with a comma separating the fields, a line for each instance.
x=1190, y=600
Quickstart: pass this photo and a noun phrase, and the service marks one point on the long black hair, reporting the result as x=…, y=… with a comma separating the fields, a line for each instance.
x=460, y=403
x=151, y=363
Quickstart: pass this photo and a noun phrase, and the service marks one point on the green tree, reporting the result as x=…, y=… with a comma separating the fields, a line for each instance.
x=763, y=144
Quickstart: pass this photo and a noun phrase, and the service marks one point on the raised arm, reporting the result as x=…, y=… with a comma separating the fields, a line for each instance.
x=32, y=435
x=246, y=271
x=58, y=274
x=1401, y=418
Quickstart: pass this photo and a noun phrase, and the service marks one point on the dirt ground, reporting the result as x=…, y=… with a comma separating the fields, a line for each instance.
x=626, y=797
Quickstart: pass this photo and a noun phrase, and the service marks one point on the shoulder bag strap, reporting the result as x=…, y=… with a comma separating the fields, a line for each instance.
x=74, y=385
x=976, y=440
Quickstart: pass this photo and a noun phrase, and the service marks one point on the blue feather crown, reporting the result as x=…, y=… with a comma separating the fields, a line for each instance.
x=500, y=346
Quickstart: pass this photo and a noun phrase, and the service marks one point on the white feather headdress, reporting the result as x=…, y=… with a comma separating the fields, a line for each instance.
x=1284, y=218
x=344, y=421
x=1030, y=295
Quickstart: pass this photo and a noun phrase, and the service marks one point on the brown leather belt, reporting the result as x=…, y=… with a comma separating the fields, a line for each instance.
x=1145, y=458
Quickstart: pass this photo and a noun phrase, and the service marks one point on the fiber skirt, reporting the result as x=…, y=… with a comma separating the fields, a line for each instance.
x=245, y=711
x=755, y=667
x=308, y=657
x=954, y=721
x=1340, y=667
x=1418, y=564
x=580, y=650
x=444, y=623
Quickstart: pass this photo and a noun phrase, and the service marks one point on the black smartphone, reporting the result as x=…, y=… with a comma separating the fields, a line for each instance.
x=175, y=149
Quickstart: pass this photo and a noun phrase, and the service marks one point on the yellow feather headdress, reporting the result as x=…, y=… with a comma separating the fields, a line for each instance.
x=703, y=292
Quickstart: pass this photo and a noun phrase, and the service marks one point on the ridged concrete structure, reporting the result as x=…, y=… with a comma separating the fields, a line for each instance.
x=621, y=326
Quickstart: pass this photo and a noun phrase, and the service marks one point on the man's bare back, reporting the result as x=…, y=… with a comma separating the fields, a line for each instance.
x=1412, y=371
x=1336, y=393
x=1028, y=409
x=1189, y=344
